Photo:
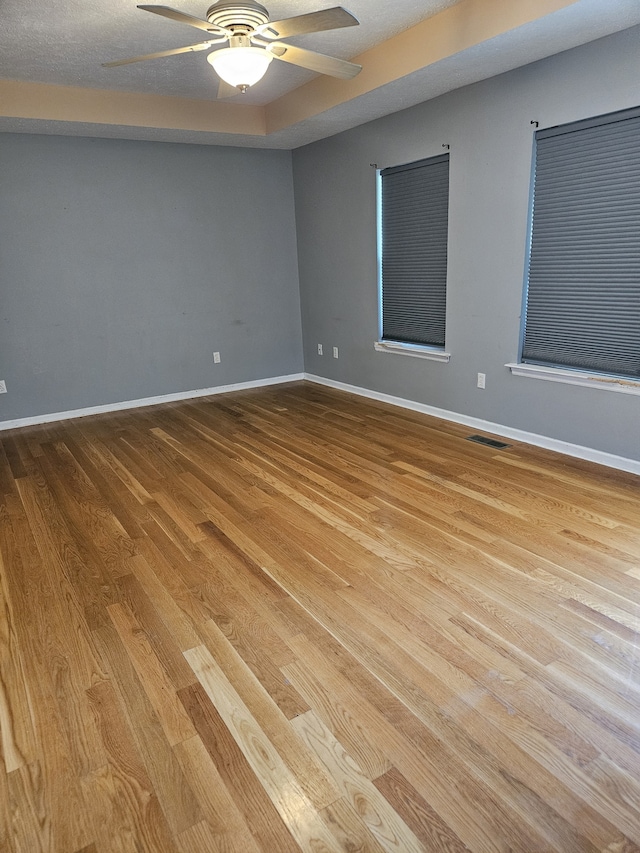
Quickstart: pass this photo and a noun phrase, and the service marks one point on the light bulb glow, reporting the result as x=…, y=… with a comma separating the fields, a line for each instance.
x=240, y=66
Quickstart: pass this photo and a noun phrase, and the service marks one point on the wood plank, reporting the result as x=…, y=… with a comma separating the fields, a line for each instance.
x=171, y=787
x=261, y=650
x=408, y=642
x=31, y=828
x=7, y=478
x=317, y=785
x=161, y=692
x=403, y=736
x=17, y=735
x=391, y=832
x=347, y=825
x=64, y=741
x=167, y=601
x=70, y=562
x=94, y=526
x=250, y=798
x=201, y=837
x=93, y=458
x=124, y=804
x=342, y=719
x=156, y=632
x=282, y=787
x=225, y=822
x=418, y=814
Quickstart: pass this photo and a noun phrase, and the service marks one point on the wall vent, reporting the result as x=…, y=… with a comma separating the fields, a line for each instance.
x=490, y=442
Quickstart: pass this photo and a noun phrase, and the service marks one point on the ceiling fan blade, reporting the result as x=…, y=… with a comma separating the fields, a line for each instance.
x=313, y=22
x=182, y=18
x=188, y=49
x=314, y=61
x=226, y=90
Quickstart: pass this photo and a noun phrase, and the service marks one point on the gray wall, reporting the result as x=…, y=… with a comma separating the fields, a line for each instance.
x=488, y=128
x=124, y=265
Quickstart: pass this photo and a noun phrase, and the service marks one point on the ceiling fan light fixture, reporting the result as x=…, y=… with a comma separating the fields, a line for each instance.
x=240, y=66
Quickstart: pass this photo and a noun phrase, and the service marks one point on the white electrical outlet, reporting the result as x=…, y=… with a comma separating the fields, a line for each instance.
x=3, y=386
x=216, y=358
x=335, y=352
x=320, y=349
x=482, y=379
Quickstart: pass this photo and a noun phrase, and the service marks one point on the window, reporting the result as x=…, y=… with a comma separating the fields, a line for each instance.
x=583, y=290
x=413, y=268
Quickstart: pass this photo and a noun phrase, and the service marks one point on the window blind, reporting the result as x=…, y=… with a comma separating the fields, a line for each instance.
x=415, y=207
x=583, y=294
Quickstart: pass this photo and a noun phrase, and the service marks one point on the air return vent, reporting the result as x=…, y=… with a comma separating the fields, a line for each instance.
x=490, y=442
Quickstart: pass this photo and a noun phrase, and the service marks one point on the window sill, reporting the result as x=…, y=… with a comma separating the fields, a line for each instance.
x=576, y=377
x=412, y=350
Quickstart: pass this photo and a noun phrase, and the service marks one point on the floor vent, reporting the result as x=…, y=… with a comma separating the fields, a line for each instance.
x=490, y=442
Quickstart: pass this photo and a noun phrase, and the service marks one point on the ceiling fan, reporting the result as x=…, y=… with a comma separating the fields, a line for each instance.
x=254, y=41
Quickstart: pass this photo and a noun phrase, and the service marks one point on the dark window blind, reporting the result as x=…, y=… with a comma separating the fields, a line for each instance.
x=415, y=207
x=583, y=295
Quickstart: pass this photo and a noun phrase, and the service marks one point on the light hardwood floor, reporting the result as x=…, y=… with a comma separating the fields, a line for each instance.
x=293, y=620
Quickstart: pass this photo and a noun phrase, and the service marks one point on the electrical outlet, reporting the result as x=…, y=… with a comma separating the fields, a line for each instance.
x=335, y=352
x=216, y=358
x=482, y=378
x=320, y=349
x=3, y=386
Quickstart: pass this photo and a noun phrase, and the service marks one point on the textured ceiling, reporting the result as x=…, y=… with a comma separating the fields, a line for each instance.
x=64, y=43
x=68, y=43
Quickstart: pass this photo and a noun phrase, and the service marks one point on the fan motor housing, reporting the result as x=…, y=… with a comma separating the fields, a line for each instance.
x=237, y=16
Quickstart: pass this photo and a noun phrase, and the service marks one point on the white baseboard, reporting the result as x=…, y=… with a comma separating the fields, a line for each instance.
x=147, y=401
x=621, y=463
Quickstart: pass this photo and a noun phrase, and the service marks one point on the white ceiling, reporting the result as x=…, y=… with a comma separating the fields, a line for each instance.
x=64, y=42
x=69, y=42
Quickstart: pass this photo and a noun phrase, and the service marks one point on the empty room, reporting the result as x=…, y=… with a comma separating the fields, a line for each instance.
x=320, y=427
